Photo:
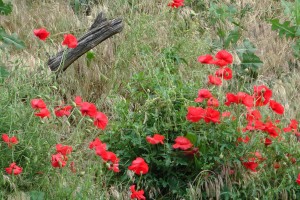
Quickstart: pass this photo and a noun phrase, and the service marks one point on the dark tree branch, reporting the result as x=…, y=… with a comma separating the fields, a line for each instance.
x=100, y=30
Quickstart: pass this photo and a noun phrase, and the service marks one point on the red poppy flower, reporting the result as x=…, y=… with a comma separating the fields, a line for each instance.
x=206, y=59
x=276, y=107
x=176, y=3
x=245, y=140
x=203, y=94
x=100, y=120
x=240, y=97
x=245, y=99
x=276, y=165
x=230, y=99
x=114, y=167
x=182, y=143
x=214, y=80
x=78, y=101
x=253, y=115
x=225, y=73
x=97, y=142
x=61, y=111
x=58, y=160
x=212, y=101
x=262, y=95
x=38, y=104
x=293, y=160
x=63, y=149
x=268, y=142
x=139, y=166
x=108, y=156
x=14, y=169
x=223, y=58
x=9, y=141
x=70, y=40
x=43, y=113
x=258, y=125
x=157, y=138
x=271, y=129
x=298, y=179
x=41, y=33
x=293, y=126
x=89, y=109
x=195, y=114
x=137, y=194
x=100, y=149
x=212, y=115
x=251, y=165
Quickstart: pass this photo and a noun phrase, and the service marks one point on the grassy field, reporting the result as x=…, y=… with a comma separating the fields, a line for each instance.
x=144, y=79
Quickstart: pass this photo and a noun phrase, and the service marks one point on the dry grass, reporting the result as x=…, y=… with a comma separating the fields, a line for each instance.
x=147, y=32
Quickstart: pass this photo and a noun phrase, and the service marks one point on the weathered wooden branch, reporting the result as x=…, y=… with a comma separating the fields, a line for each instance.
x=100, y=30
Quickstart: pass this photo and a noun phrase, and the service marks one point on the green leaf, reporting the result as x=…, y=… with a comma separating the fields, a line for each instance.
x=232, y=38
x=284, y=28
x=250, y=61
x=11, y=39
x=247, y=47
x=90, y=56
x=5, y=9
x=192, y=137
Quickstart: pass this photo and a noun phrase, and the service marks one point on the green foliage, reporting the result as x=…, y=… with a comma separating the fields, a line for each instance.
x=250, y=63
x=222, y=16
x=284, y=29
x=89, y=57
x=5, y=8
x=289, y=28
x=10, y=39
x=7, y=39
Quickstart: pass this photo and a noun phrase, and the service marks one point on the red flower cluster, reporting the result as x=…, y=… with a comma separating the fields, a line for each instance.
x=9, y=141
x=59, y=160
x=69, y=39
x=157, y=138
x=239, y=98
x=139, y=166
x=209, y=114
x=223, y=58
x=253, y=162
x=298, y=179
x=107, y=156
x=292, y=127
x=61, y=111
x=90, y=109
x=251, y=165
x=39, y=104
x=14, y=169
x=41, y=33
x=182, y=143
x=137, y=194
x=176, y=3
